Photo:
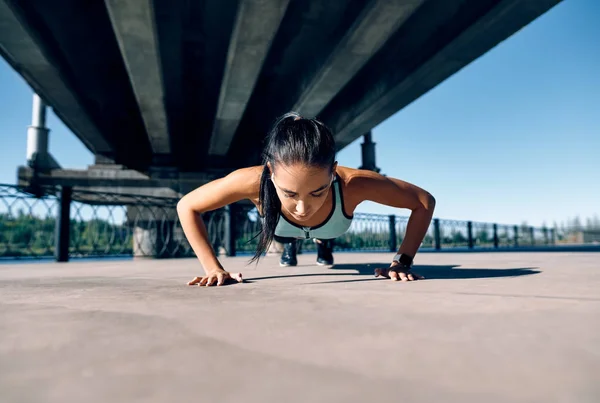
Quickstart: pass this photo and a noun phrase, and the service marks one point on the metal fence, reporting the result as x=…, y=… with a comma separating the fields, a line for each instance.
x=62, y=222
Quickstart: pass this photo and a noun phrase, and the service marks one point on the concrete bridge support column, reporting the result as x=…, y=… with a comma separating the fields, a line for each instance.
x=368, y=154
x=37, y=133
x=154, y=232
x=38, y=157
x=146, y=240
x=62, y=227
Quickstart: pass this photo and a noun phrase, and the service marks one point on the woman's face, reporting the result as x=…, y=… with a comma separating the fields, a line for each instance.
x=302, y=189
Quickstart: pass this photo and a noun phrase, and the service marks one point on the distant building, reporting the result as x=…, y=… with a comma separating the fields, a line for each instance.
x=584, y=236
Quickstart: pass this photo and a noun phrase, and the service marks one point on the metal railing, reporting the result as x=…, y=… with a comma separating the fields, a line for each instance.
x=65, y=222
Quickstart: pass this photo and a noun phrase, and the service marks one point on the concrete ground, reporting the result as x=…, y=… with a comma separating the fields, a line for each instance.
x=483, y=327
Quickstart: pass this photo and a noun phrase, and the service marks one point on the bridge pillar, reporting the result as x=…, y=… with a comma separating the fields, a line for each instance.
x=368, y=153
x=154, y=232
x=38, y=157
x=37, y=133
x=62, y=227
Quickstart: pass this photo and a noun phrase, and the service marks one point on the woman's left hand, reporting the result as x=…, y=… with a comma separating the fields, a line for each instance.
x=397, y=273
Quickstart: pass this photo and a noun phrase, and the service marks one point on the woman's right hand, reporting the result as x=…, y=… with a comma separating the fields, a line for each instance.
x=218, y=276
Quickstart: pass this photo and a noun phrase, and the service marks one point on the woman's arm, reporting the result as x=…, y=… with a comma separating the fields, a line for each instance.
x=367, y=185
x=238, y=185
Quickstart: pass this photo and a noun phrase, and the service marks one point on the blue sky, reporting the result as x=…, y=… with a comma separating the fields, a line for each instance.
x=513, y=137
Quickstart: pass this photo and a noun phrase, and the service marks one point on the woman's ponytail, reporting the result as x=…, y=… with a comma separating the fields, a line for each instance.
x=270, y=206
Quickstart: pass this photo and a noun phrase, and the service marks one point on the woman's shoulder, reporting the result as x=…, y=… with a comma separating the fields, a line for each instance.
x=351, y=181
x=249, y=172
x=247, y=178
x=351, y=177
x=358, y=183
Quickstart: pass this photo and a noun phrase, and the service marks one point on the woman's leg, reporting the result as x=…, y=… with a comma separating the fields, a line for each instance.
x=283, y=239
x=288, y=257
x=324, y=252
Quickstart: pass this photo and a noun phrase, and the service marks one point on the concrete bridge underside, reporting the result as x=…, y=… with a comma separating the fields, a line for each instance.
x=177, y=89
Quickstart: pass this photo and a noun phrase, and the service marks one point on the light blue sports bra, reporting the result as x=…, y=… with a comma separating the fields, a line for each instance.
x=336, y=224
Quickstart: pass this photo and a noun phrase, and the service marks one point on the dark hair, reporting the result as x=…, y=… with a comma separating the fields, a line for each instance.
x=292, y=139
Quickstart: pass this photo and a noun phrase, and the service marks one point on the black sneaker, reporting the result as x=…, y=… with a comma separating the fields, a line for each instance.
x=325, y=253
x=288, y=257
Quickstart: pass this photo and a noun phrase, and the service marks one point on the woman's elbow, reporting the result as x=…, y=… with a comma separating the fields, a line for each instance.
x=429, y=203
x=182, y=206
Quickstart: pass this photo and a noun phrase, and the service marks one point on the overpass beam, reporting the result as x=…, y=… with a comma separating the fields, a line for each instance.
x=115, y=177
x=24, y=53
x=255, y=27
x=378, y=21
x=405, y=69
x=134, y=26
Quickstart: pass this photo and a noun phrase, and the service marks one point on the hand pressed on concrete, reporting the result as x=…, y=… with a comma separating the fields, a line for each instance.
x=218, y=277
x=221, y=277
x=398, y=274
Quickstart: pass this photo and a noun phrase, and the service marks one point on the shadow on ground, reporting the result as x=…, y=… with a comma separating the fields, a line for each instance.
x=429, y=272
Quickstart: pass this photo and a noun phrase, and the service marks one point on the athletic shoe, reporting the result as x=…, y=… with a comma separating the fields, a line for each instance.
x=288, y=257
x=325, y=253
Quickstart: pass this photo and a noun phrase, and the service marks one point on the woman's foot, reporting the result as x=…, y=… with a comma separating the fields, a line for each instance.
x=288, y=257
x=325, y=253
